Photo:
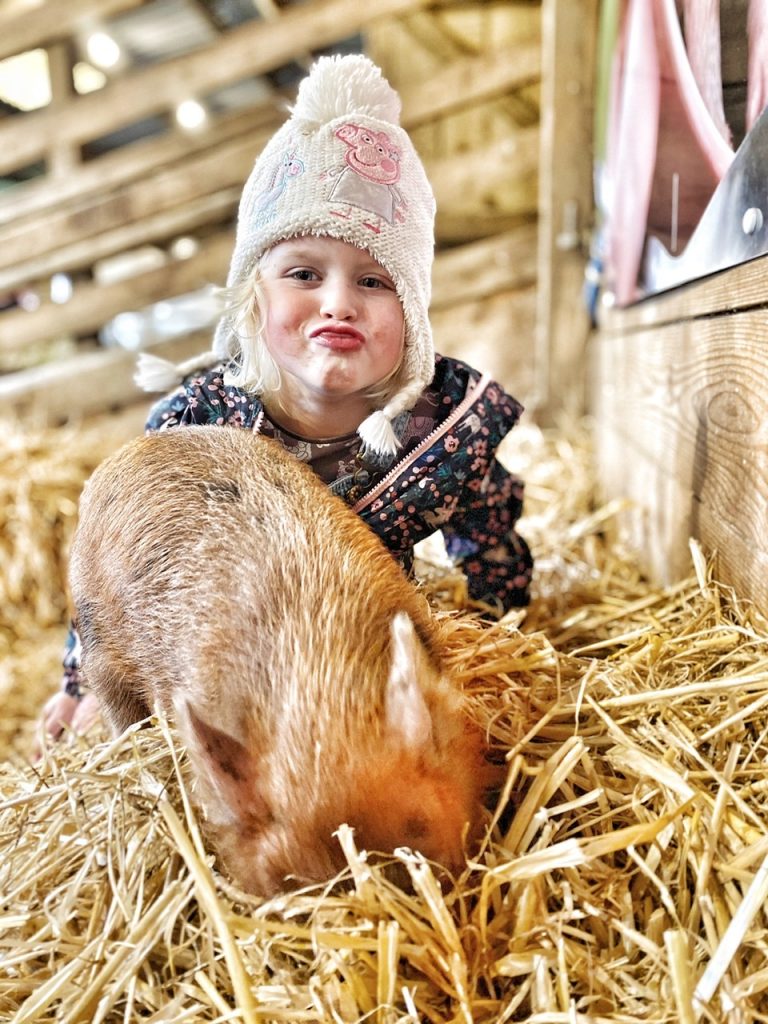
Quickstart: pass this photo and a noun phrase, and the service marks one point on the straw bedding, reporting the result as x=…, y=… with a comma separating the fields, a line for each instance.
x=625, y=866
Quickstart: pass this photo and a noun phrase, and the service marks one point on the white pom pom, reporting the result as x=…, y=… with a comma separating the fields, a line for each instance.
x=378, y=435
x=342, y=86
x=156, y=374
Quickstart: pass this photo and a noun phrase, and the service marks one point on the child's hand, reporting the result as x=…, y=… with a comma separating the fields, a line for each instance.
x=61, y=711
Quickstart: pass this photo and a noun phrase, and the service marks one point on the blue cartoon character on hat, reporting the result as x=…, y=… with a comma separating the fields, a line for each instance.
x=265, y=208
x=368, y=179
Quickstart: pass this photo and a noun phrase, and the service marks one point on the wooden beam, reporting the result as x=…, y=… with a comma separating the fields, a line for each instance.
x=569, y=38
x=137, y=160
x=155, y=229
x=93, y=305
x=251, y=49
x=87, y=384
x=478, y=172
x=499, y=179
x=470, y=81
x=205, y=12
x=63, y=157
x=459, y=227
x=476, y=271
x=26, y=26
x=431, y=31
x=492, y=334
x=740, y=288
x=212, y=170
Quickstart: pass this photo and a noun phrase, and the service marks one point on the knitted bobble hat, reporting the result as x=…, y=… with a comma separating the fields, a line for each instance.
x=342, y=167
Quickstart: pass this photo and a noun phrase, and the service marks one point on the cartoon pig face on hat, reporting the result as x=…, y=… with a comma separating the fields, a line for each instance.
x=370, y=153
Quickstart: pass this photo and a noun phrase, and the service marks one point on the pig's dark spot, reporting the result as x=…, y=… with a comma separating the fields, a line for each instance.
x=416, y=828
x=220, y=490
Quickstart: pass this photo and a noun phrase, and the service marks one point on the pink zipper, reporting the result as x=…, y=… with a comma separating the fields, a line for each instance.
x=469, y=399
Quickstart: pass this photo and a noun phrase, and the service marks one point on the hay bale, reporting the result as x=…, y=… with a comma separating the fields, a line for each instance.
x=41, y=475
x=622, y=878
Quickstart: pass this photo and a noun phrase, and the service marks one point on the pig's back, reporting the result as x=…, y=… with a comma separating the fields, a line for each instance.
x=209, y=558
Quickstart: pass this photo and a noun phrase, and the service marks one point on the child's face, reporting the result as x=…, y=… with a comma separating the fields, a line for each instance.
x=332, y=319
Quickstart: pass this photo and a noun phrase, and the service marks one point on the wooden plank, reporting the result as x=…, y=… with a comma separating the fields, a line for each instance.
x=492, y=334
x=500, y=263
x=93, y=305
x=470, y=81
x=735, y=559
x=688, y=403
x=431, y=31
x=740, y=288
x=155, y=229
x=250, y=49
x=457, y=227
x=87, y=384
x=501, y=173
x=569, y=36
x=212, y=170
x=663, y=512
x=137, y=160
x=655, y=523
x=28, y=25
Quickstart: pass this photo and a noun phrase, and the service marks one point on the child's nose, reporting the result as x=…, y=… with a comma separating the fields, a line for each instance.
x=338, y=299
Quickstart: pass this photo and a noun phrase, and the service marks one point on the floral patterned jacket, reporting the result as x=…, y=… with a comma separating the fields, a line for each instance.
x=445, y=476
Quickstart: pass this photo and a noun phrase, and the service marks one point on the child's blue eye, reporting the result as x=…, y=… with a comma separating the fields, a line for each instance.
x=371, y=282
x=303, y=275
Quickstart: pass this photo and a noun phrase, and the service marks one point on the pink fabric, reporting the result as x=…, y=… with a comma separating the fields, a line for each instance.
x=632, y=147
x=701, y=22
x=666, y=154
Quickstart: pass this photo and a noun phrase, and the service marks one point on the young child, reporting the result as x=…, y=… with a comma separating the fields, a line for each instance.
x=327, y=347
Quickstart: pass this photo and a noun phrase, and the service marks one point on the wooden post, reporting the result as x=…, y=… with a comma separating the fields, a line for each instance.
x=63, y=156
x=569, y=37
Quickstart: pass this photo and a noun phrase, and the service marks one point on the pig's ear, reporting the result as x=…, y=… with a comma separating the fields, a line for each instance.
x=229, y=769
x=408, y=716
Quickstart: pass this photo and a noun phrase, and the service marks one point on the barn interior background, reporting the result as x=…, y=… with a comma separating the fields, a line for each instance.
x=601, y=250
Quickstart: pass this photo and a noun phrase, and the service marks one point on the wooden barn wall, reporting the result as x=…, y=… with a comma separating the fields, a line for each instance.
x=679, y=394
x=469, y=76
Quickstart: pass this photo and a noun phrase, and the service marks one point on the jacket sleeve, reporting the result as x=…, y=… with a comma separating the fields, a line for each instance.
x=202, y=398
x=482, y=537
x=191, y=402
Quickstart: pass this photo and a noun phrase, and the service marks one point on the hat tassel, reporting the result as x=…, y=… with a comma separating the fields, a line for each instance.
x=378, y=435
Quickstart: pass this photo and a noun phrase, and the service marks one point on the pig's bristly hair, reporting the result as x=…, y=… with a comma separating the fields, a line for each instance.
x=326, y=95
